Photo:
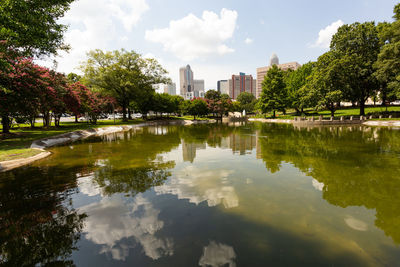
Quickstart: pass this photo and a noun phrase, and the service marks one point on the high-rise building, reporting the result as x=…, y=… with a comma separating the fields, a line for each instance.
x=186, y=80
x=170, y=88
x=274, y=60
x=241, y=83
x=223, y=87
x=198, y=85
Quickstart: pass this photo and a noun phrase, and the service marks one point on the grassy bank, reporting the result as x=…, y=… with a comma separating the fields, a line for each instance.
x=341, y=112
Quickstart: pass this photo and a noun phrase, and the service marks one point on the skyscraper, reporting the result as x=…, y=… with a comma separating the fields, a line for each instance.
x=241, y=83
x=274, y=60
x=186, y=80
x=170, y=89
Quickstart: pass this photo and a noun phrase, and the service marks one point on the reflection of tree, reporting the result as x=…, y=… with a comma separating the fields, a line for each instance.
x=132, y=180
x=37, y=221
x=358, y=166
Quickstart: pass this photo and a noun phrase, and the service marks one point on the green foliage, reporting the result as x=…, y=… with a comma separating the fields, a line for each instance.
x=356, y=46
x=124, y=75
x=32, y=27
x=247, y=101
x=196, y=107
x=212, y=95
x=274, y=95
x=388, y=63
x=325, y=87
x=296, y=86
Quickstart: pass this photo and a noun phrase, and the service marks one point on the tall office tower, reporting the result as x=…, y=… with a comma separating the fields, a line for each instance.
x=274, y=60
x=223, y=87
x=170, y=88
x=186, y=80
x=198, y=85
x=241, y=83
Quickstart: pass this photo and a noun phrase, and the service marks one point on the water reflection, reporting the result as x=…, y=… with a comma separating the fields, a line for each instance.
x=161, y=195
x=217, y=254
x=352, y=166
x=117, y=225
x=198, y=185
x=37, y=221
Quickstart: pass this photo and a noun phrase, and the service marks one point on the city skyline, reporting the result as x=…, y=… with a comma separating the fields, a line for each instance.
x=217, y=39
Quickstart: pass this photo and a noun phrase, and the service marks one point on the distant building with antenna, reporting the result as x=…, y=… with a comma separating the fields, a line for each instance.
x=262, y=71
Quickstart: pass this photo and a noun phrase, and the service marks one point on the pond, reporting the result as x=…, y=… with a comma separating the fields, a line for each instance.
x=209, y=195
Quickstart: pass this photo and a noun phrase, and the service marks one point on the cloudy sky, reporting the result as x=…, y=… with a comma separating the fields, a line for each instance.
x=217, y=38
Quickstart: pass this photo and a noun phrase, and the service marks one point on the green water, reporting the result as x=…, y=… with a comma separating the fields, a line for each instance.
x=209, y=195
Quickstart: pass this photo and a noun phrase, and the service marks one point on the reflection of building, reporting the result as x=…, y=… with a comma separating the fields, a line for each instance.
x=170, y=89
x=189, y=150
x=186, y=80
x=242, y=143
x=241, y=83
x=223, y=87
x=261, y=72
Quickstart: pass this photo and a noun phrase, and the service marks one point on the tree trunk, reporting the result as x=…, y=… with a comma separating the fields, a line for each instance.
x=129, y=114
x=362, y=107
x=32, y=122
x=5, y=121
x=124, y=112
x=273, y=114
x=76, y=118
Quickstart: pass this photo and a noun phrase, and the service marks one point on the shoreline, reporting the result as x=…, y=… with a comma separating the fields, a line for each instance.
x=61, y=139
x=393, y=123
x=42, y=144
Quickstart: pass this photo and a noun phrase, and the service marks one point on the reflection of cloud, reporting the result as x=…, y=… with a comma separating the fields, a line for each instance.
x=317, y=185
x=197, y=186
x=87, y=186
x=112, y=220
x=356, y=224
x=216, y=254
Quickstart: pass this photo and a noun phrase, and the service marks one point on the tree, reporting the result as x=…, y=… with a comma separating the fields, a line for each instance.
x=327, y=84
x=247, y=101
x=124, y=75
x=197, y=107
x=388, y=62
x=295, y=82
x=274, y=94
x=212, y=95
x=358, y=45
x=37, y=33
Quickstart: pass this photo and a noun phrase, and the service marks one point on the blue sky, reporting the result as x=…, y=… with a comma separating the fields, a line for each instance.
x=217, y=38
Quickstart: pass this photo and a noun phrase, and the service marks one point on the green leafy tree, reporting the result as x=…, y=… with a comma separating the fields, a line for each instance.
x=247, y=101
x=197, y=107
x=325, y=88
x=388, y=63
x=358, y=45
x=295, y=83
x=274, y=95
x=32, y=27
x=124, y=75
x=212, y=95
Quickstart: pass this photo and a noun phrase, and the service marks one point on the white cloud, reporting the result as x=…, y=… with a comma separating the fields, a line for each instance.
x=217, y=254
x=198, y=186
x=248, y=41
x=192, y=37
x=94, y=26
x=112, y=221
x=325, y=35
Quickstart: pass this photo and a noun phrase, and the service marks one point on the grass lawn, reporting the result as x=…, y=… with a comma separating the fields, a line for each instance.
x=341, y=112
